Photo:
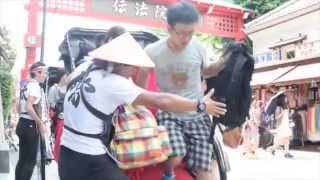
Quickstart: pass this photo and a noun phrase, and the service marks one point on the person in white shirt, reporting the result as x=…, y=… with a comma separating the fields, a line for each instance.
x=30, y=124
x=55, y=100
x=283, y=132
x=106, y=87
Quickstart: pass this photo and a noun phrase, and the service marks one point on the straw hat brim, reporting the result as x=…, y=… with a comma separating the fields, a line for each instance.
x=124, y=50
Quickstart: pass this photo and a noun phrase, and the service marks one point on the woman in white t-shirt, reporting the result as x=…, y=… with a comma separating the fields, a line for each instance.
x=30, y=123
x=283, y=132
x=106, y=88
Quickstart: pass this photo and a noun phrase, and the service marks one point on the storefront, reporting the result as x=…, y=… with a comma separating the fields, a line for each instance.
x=287, y=57
x=301, y=81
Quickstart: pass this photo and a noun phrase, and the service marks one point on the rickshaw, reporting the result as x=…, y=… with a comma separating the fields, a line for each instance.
x=74, y=49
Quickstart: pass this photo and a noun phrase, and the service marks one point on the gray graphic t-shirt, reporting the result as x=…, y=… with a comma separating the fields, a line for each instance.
x=179, y=72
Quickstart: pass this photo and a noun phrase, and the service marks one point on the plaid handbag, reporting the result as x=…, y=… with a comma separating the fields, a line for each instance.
x=138, y=140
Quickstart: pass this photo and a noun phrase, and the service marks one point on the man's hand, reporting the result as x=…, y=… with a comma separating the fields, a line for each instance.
x=214, y=108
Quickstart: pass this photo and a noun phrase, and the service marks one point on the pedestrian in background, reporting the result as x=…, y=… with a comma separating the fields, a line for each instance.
x=251, y=130
x=30, y=123
x=55, y=100
x=283, y=132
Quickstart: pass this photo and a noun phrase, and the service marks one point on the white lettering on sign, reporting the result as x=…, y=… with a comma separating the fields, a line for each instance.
x=160, y=12
x=120, y=6
x=141, y=9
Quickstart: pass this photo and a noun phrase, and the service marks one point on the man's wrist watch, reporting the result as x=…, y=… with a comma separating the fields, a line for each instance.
x=201, y=106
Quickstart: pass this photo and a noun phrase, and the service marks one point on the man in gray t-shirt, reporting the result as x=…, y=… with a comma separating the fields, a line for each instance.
x=179, y=72
x=180, y=62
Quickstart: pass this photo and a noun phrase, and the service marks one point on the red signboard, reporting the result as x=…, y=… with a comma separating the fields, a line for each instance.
x=217, y=20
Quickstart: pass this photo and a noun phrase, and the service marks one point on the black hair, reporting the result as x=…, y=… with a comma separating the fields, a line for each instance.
x=234, y=47
x=282, y=101
x=182, y=12
x=35, y=66
x=55, y=75
x=114, y=32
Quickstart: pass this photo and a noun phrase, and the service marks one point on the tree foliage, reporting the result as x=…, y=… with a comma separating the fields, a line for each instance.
x=260, y=6
x=6, y=86
x=7, y=53
x=7, y=58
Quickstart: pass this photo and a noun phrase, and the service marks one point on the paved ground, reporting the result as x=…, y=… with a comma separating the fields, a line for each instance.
x=51, y=170
x=305, y=166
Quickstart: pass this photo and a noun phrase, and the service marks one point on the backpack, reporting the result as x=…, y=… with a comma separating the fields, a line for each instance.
x=138, y=141
x=232, y=85
x=268, y=120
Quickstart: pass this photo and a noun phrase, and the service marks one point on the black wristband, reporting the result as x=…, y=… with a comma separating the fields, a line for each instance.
x=201, y=106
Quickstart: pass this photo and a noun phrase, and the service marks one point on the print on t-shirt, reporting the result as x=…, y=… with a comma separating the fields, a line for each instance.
x=23, y=92
x=75, y=95
x=179, y=79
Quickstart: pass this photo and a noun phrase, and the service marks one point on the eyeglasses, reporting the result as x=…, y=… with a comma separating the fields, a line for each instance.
x=43, y=71
x=183, y=33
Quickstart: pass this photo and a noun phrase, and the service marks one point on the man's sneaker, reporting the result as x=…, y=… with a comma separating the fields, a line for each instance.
x=288, y=155
x=166, y=177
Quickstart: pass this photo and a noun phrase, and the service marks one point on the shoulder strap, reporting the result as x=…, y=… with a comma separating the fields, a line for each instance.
x=92, y=109
x=105, y=136
x=75, y=80
x=98, y=136
x=82, y=75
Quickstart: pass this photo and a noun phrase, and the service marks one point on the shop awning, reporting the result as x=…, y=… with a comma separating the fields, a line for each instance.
x=300, y=74
x=266, y=77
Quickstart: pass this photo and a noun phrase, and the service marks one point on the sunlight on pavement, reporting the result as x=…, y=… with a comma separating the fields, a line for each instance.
x=265, y=166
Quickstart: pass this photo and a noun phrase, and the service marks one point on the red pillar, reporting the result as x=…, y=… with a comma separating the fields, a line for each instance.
x=31, y=40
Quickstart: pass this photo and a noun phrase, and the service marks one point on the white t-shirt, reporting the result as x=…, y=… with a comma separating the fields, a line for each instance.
x=32, y=88
x=81, y=68
x=104, y=91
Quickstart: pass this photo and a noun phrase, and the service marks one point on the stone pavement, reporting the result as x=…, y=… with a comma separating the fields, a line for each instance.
x=51, y=170
x=263, y=166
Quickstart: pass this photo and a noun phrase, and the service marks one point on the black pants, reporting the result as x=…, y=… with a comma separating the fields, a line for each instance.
x=28, y=147
x=78, y=166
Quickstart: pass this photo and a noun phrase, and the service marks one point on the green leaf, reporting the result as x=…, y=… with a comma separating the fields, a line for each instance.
x=6, y=85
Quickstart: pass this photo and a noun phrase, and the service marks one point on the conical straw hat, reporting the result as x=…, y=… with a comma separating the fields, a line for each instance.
x=123, y=49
